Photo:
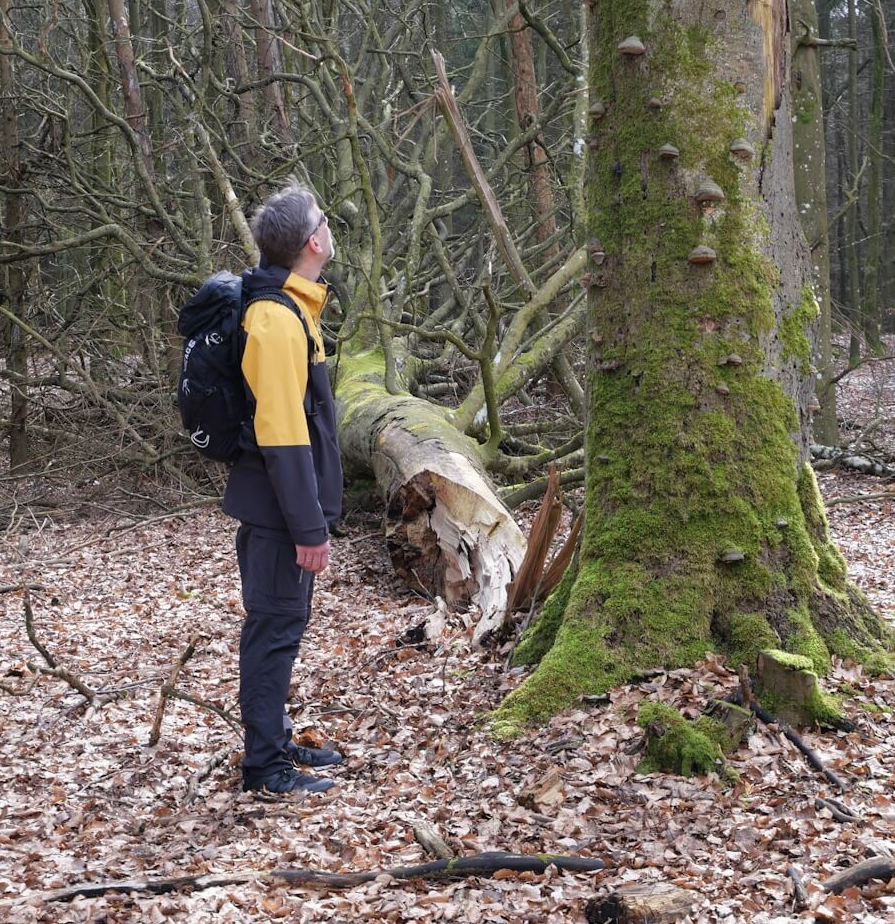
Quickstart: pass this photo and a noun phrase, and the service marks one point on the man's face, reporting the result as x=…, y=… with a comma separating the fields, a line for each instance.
x=330, y=241
x=324, y=237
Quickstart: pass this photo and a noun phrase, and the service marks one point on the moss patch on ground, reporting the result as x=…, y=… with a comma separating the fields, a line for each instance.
x=677, y=745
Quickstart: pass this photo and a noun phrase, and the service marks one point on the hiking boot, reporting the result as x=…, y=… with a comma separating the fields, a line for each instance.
x=311, y=757
x=288, y=780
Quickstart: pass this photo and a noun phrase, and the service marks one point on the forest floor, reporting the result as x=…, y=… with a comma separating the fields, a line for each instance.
x=85, y=798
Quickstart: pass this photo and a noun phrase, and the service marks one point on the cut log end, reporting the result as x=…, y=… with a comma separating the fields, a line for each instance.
x=648, y=903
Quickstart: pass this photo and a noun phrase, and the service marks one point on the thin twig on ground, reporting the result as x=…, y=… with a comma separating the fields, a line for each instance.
x=188, y=652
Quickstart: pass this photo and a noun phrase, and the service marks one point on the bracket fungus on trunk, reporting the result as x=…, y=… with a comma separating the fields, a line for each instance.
x=669, y=152
x=732, y=556
x=709, y=192
x=702, y=255
x=742, y=149
x=596, y=252
x=632, y=46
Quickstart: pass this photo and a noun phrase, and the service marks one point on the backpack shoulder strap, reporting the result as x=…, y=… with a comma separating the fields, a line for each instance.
x=279, y=296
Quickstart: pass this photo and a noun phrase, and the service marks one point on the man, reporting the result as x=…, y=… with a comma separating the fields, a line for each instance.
x=286, y=486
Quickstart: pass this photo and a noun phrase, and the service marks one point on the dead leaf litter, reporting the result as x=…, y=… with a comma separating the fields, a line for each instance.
x=85, y=799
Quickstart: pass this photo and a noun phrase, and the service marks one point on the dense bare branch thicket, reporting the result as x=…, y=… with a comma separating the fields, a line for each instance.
x=133, y=151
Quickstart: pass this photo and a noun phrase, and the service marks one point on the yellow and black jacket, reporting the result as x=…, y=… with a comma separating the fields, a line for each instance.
x=289, y=476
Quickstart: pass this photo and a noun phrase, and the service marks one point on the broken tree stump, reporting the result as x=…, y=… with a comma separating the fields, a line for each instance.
x=788, y=687
x=737, y=720
x=642, y=903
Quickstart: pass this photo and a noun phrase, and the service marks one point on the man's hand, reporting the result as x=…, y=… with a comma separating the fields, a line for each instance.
x=312, y=557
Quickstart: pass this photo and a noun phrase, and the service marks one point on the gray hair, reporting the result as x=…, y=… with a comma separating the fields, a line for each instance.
x=283, y=225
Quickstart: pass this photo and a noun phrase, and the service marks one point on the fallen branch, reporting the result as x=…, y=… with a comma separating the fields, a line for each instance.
x=204, y=772
x=180, y=511
x=12, y=588
x=851, y=368
x=841, y=813
x=483, y=864
x=174, y=693
x=163, y=696
x=799, y=892
x=54, y=669
x=792, y=736
x=859, y=498
x=861, y=874
x=68, y=677
x=32, y=635
x=861, y=454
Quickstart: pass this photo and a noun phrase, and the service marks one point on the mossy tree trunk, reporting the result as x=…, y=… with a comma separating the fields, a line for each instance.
x=704, y=527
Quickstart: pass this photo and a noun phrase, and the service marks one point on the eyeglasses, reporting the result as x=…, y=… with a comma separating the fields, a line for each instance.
x=323, y=221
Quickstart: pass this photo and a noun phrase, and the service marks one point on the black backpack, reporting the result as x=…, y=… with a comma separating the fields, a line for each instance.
x=212, y=396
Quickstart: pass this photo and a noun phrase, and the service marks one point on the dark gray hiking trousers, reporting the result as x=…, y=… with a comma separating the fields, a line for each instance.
x=276, y=594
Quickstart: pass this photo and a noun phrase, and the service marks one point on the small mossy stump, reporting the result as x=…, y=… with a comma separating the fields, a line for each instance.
x=788, y=688
x=737, y=721
x=676, y=745
x=642, y=903
x=704, y=528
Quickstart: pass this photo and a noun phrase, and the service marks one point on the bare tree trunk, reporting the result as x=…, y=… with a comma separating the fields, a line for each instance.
x=135, y=112
x=15, y=281
x=525, y=94
x=237, y=68
x=841, y=231
x=580, y=132
x=871, y=281
x=270, y=61
x=811, y=196
x=852, y=262
x=887, y=281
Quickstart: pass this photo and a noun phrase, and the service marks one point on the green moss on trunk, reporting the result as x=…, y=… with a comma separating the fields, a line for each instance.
x=703, y=530
x=540, y=636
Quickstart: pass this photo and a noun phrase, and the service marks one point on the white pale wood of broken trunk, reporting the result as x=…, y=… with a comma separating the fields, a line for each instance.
x=442, y=511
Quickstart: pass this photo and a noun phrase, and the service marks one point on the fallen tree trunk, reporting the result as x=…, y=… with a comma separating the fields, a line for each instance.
x=448, y=533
